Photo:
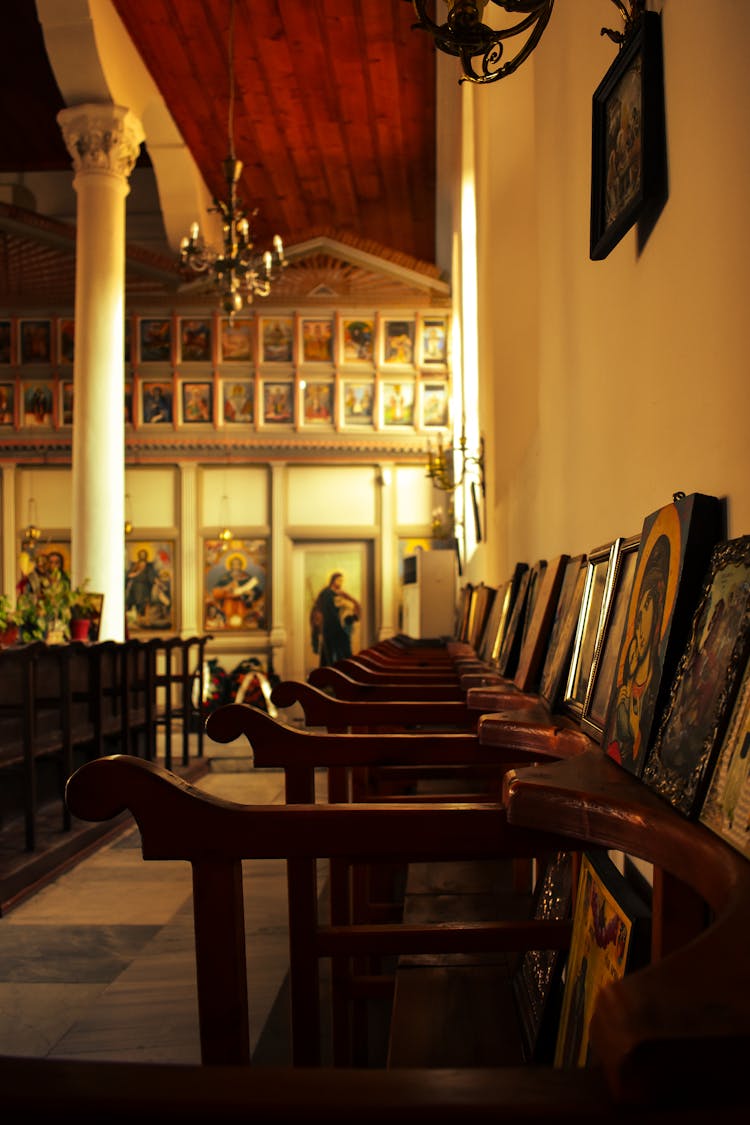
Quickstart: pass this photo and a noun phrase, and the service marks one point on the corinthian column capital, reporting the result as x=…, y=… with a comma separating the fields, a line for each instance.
x=101, y=138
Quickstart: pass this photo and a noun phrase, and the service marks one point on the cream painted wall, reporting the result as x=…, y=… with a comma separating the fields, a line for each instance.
x=53, y=500
x=612, y=384
x=247, y=492
x=328, y=496
x=414, y=497
x=152, y=497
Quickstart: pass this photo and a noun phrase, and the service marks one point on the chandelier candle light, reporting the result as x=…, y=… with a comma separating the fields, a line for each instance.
x=240, y=272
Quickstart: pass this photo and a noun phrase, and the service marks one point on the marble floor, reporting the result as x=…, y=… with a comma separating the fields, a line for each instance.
x=98, y=963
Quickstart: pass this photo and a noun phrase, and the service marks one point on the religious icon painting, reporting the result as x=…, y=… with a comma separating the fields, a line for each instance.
x=433, y=341
x=358, y=403
x=195, y=340
x=149, y=585
x=398, y=343
x=197, y=402
x=726, y=808
x=435, y=404
x=155, y=340
x=38, y=560
x=708, y=676
x=673, y=556
x=7, y=400
x=236, y=340
x=609, y=939
x=36, y=341
x=317, y=403
x=357, y=340
x=238, y=401
x=397, y=403
x=276, y=339
x=278, y=403
x=66, y=404
x=317, y=339
x=234, y=584
x=37, y=404
x=156, y=402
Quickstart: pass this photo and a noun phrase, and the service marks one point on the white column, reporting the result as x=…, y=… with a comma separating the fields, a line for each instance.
x=103, y=141
x=191, y=571
x=389, y=592
x=279, y=635
x=9, y=544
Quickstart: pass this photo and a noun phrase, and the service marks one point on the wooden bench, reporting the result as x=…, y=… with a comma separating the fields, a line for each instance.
x=46, y=714
x=666, y=1040
x=62, y=704
x=175, y=661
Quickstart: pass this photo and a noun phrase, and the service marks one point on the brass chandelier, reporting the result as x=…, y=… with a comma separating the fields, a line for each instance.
x=240, y=272
x=463, y=34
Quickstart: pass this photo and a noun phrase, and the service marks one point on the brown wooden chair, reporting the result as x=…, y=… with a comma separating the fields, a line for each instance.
x=666, y=1041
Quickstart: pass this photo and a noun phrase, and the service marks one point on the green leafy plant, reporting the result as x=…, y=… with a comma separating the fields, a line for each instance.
x=83, y=604
x=9, y=615
x=32, y=618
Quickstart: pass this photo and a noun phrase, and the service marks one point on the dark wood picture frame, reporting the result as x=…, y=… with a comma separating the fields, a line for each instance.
x=602, y=674
x=537, y=982
x=560, y=645
x=588, y=628
x=679, y=764
x=510, y=592
x=628, y=159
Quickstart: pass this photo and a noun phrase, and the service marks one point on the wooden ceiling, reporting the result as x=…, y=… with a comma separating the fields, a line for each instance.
x=334, y=109
x=334, y=115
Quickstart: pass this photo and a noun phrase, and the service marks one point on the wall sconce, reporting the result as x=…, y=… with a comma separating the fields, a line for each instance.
x=128, y=519
x=464, y=35
x=441, y=464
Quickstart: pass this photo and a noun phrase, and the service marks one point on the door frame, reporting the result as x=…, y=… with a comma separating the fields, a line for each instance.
x=311, y=563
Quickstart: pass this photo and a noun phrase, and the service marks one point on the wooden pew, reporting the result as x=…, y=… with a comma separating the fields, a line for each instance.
x=45, y=715
x=174, y=664
x=667, y=1040
x=391, y=677
x=525, y=646
x=178, y=821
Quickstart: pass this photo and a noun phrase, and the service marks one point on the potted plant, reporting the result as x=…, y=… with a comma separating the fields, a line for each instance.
x=84, y=608
x=45, y=611
x=32, y=618
x=9, y=622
